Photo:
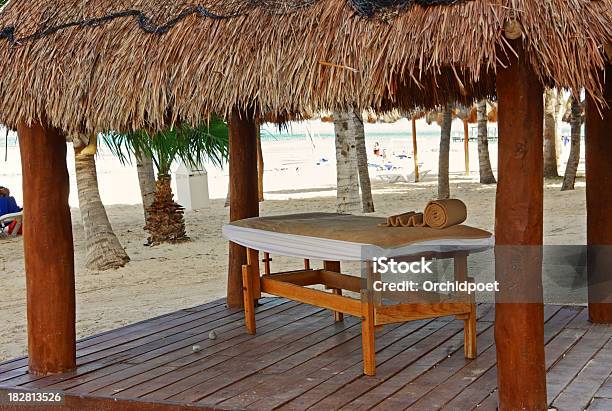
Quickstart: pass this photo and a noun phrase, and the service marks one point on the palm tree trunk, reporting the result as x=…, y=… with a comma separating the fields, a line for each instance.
x=414, y=151
x=103, y=248
x=260, y=166
x=484, y=162
x=347, y=200
x=443, y=180
x=367, y=202
x=550, y=134
x=166, y=222
x=466, y=145
x=146, y=181
x=574, y=157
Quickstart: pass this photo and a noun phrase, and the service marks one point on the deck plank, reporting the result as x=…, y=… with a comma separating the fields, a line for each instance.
x=447, y=382
x=346, y=358
x=579, y=393
x=479, y=390
x=605, y=391
x=300, y=358
x=144, y=326
x=125, y=339
x=562, y=374
x=185, y=335
x=332, y=392
x=177, y=357
x=600, y=404
x=258, y=355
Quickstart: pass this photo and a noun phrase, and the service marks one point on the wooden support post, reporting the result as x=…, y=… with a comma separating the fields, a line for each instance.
x=244, y=200
x=48, y=249
x=306, y=264
x=519, y=311
x=335, y=267
x=599, y=205
x=368, y=344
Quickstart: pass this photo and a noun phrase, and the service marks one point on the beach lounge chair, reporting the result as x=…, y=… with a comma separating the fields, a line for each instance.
x=7, y=219
x=399, y=175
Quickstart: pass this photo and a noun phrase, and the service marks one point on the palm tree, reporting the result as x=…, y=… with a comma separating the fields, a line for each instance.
x=347, y=200
x=146, y=181
x=367, y=202
x=552, y=104
x=575, y=116
x=443, y=161
x=415, y=150
x=484, y=162
x=165, y=221
x=103, y=248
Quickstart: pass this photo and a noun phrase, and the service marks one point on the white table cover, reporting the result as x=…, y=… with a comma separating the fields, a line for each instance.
x=316, y=248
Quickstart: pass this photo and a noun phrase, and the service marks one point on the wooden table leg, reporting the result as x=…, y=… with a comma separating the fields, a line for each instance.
x=338, y=316
x=469, y=333
x=249, y=297
x=469, y=322
x=253, y=262
x=368, y=346
x=372, y=277
x=335, y=267
x=266, y=260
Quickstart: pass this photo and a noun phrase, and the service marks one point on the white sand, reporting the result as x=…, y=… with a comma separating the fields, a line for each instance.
x=170, y=277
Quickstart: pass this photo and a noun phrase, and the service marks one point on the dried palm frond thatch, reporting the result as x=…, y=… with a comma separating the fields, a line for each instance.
x=125, y=65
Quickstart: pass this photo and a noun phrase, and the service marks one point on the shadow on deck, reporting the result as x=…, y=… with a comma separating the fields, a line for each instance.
x=301, y=359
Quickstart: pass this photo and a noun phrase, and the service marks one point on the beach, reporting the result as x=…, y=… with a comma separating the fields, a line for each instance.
x=166, y=278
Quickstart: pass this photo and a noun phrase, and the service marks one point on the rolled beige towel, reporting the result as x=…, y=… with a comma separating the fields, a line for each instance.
x=444, y=213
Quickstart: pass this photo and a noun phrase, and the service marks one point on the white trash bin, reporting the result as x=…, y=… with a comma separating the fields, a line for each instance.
x=192, y=187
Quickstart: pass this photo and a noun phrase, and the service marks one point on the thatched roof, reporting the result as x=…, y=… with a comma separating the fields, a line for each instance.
x=90, y=65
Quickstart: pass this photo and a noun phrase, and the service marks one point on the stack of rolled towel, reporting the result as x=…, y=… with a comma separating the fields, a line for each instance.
x=438, y=214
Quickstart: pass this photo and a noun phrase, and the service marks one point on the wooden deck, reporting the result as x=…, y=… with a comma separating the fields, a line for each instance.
x=301, y=359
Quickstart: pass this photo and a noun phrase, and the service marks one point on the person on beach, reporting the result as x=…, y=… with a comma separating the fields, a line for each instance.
x=8, y=205
x=376, y=149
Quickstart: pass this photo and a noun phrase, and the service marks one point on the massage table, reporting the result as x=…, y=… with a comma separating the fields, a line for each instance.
x=333, y=238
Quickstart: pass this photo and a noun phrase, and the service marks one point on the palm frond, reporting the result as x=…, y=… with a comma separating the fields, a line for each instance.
x=192, y=145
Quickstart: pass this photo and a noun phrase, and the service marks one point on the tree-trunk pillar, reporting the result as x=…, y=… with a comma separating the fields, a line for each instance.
x=599, y=205
x=48, y=249
x=243, y=192
x=519, y=311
